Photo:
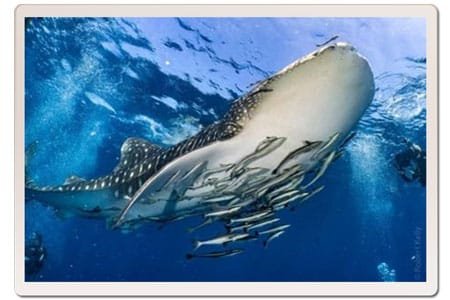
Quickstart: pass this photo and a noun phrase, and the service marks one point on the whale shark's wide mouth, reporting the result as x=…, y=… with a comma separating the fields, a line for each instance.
x=333, y=73
x=343, y=46
x=339, y=46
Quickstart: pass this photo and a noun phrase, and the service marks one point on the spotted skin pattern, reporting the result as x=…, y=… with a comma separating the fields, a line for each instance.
x=141, y=159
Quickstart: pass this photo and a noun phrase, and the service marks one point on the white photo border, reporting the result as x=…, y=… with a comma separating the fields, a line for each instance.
x=427, y=288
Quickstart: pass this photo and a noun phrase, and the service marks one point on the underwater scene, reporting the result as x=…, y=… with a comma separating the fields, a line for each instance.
x=225, y=149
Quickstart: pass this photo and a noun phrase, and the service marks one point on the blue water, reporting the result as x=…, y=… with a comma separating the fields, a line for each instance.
x=91, y=83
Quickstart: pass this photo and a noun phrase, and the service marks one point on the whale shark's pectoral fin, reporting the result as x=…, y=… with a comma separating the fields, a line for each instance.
x=173, y=191
x=135, y=150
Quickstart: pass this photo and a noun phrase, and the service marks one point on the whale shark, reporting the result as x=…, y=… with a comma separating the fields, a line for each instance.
x=257, y=158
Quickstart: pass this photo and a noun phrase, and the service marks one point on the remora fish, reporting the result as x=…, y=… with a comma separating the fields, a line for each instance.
x=263, y=223
x=251, y=217
x=309, y=100
x=327, y=145
x=204, y=223
x=313, y=192
x=215, y=254
x=287, y=175
x=272, y=237
x=268, y=145
x=306, y=148
x=243, y=227
x=275, y=229
x=285, y=202
x=282, y=196
x=292, y=184
x=222, y=198
x=322, y=169
x=221, y=240
x=224, y=212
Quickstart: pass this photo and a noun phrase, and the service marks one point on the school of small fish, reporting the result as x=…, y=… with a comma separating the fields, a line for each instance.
x=246, y=199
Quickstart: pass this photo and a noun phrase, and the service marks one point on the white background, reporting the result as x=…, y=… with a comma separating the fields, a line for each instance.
x=7, y=129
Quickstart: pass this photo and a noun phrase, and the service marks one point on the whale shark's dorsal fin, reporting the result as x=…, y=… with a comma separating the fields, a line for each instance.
x=73, y=179
x=135, y=150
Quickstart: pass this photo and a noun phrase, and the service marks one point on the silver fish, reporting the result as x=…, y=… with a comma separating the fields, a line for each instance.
x=277, y=208
x=242, y=202
x=322, y=169
x=217, y=199
x=221, y=240
x=304, y=149
x=224, y=212
x=272, y=237
x=293, y=184
x=242, y=182
x=279, y=179
x=338, y=154
x=204, y=223
x=312, y=193
x=275, y=229
x=207, y=174
x=265, y=147
x=251, y=218
x=235, y=202
x=348, y=138
x=215, y=254
x=243, y=227
x=327, y=145
x=254, y=185
x=284, y=195
x=264, y=223
x=287, y=201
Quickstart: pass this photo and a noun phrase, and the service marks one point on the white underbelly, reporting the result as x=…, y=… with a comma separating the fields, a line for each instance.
x=154, y=203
